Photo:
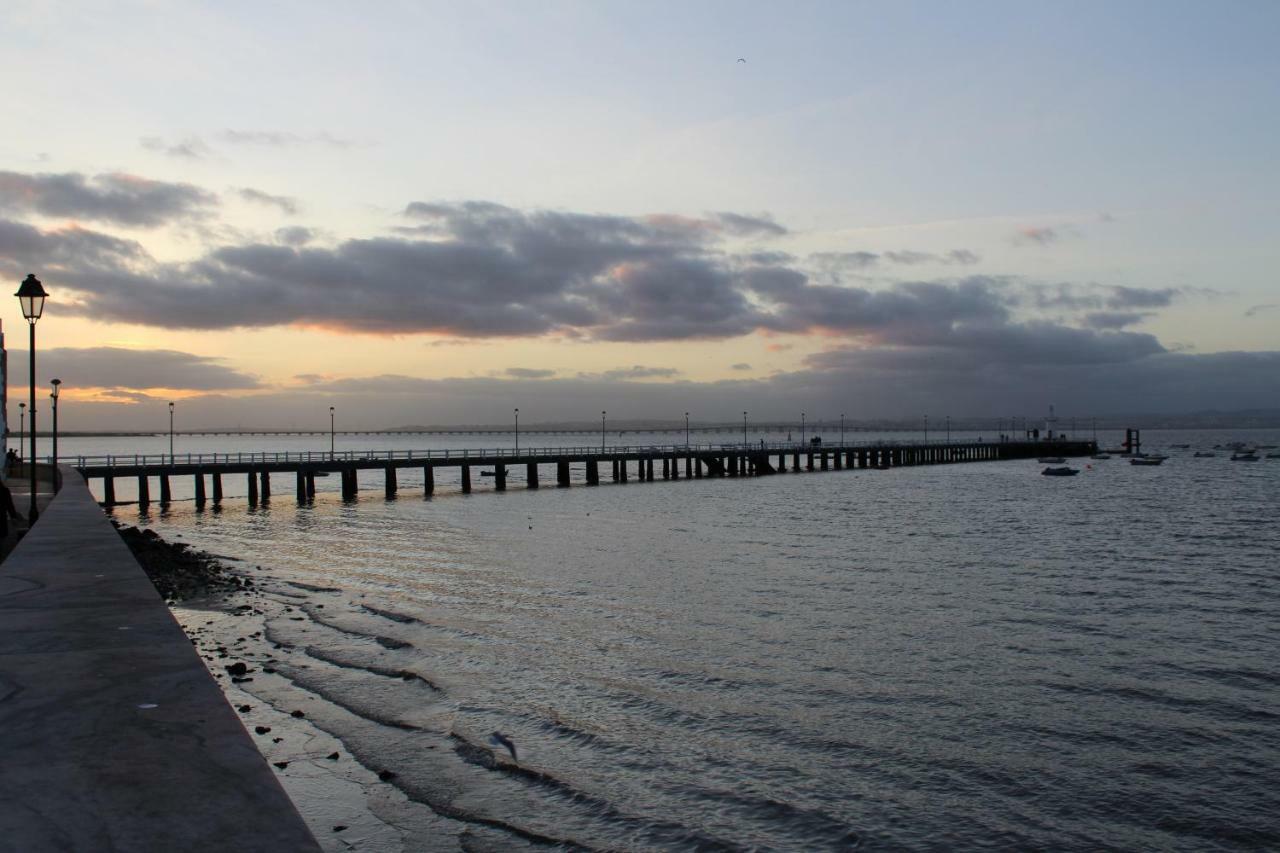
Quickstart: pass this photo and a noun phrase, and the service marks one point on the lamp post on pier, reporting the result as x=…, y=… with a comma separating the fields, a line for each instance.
x=686, y=429
x=744, y=429
x=802, y=427
x=53, y=395
x=331, y=434
x=517, y=432
x=602, y=414
x=171, y=432
x=948, y=429
x=31, y=296
x=926, y=429
x=842, y=429
x=22, y=426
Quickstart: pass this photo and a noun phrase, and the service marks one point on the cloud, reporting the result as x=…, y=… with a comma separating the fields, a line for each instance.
x=742, y=365
x=864, y=384
x=638, y=371
x=1261, y=309
x=1035, y=236
x=1114, y=319
x=749, y=226
x=294, y=235
x=284, y=204
x=190, y=148
x=837, y=262
x=113, y=367
x=283, y=139
x=117, y=198
x=1140, y=297
x=528, y=372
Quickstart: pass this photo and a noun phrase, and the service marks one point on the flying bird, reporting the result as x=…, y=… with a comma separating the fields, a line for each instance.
x=499, y=739
x=740, y=59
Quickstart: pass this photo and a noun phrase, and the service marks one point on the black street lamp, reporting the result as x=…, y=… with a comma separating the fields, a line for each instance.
x=686, y=429
x=53, y=395
x=744, y=428
x=602, y=414
x=22, y=426
x=802, y=427
x=31, y=297
x=517, y=432
x=331, y=433
x=171, y=432
x=842, y=429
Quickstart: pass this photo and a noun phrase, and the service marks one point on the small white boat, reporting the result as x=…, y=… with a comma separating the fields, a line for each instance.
x=1051, y=460
x=1063, y=471
x=1146, y=460
x=1244, y=457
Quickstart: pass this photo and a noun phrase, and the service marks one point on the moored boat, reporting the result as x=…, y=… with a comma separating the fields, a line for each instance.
x=1051, y=460
x=1146, y=460
x=1061, y=471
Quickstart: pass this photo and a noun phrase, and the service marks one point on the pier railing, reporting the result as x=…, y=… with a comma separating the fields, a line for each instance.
x=134, y=460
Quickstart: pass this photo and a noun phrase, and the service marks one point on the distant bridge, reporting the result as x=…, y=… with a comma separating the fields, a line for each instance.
x=697, y=460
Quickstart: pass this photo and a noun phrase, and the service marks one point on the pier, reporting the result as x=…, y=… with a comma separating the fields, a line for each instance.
x=297, y=471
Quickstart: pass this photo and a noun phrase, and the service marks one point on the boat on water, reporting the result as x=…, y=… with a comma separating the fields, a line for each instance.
x=1100, y=456
x=1205, y=454
x=1180, y=446
x=1051, y=460
x=1244, y=457
x=1062, y=471
x=1147, y=460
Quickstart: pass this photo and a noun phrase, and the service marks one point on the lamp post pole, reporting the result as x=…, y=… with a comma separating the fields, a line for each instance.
x=926, y=429
x=744, y=429
x=948, y=429
x=31, y=296
x=602, y=414
x=802, y=427
x=53, y=395
x=686, y=429
x=331, y=445
x=171, y=433
x=517, y=432
x=22, y=425
x=842, y=429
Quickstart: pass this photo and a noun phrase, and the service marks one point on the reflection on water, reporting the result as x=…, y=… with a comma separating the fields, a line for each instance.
x=950, y=656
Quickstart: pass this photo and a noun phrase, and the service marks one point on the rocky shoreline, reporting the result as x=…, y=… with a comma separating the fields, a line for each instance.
x=179, y=572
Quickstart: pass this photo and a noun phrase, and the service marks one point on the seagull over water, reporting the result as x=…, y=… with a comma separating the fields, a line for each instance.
x=499, y=739
x=740, y=59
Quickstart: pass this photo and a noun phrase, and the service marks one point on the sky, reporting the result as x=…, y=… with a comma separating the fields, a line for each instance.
x=433, y=213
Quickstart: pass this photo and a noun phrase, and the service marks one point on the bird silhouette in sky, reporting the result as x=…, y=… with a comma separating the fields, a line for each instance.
x=740, y=59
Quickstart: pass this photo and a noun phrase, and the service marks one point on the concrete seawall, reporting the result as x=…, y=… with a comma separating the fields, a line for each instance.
x=113, y=735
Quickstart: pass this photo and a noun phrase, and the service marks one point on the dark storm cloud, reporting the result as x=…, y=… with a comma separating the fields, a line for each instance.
x=528, y=372
x=116, y=198
x=284, y=204
x=25, y=247
x=112, y=367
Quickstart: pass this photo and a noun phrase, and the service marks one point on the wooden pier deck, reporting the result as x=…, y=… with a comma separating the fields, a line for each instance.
x=620, y=464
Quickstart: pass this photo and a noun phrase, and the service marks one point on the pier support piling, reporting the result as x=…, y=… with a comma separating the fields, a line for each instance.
x=466, y=479
x=428, y=480
x=144, y=492
x=166, y=496
x=252, y=483
x=531, y=475
x=389, y=475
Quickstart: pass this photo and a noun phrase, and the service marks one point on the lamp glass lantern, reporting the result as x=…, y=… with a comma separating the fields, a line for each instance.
x=31, y=296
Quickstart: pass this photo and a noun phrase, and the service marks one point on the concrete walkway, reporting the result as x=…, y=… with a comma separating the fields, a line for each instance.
x=113, y=735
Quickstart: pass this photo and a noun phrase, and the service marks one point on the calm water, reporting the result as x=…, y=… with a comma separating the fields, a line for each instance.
x=956, y=656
